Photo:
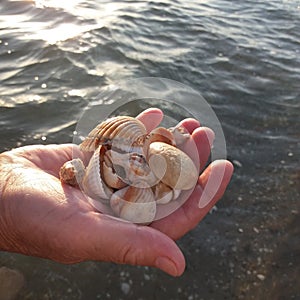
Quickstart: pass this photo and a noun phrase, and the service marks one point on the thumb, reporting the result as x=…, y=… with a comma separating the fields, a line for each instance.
x=108, y=239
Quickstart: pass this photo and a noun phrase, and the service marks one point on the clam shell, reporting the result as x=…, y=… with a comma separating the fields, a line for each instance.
x=132, y=168
x=162, y=134
x=92, y=183
x=164, y=194
x=109, y=174
x=159, y=134
x=134, y=204
x=172, y=166
x=122, y=132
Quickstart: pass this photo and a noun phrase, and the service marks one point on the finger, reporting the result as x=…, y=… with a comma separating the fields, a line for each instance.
x=198, y=146
x=214, y=181
x=200, y=142
x=203, y=138
x=104, y=238
x=212, y=185
x=150, y=118
x=189, y=124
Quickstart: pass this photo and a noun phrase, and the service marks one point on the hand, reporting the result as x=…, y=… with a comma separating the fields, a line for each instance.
x=40, y=216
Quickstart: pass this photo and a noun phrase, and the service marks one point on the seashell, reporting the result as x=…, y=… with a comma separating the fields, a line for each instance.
x=110, y=176
x=122, y=132
x=132, y=168
x=92, y=183
x=159, y=134
x=72, y=172
x=180, y=134
x=172, y=166
x=164, y=194
x=134, y=204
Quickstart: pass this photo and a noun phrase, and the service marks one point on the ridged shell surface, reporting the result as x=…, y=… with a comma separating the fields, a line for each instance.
x=122, y=132
x=92, y=183
x=134, y=204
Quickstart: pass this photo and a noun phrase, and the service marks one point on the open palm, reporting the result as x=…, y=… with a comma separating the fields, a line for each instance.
x=42, y=217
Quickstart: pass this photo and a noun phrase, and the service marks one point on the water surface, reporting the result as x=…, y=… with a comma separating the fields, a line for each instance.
x=56, y=57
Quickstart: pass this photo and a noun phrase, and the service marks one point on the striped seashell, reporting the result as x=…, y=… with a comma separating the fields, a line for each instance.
x=159, y=134
x=122, y=132
x=131, y=168
x=92, y=183
x=72, y=172
x=110, y=175
x=164, y=194
x=134, y=204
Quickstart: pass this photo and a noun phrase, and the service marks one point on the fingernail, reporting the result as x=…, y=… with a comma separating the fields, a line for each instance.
x=166, y=265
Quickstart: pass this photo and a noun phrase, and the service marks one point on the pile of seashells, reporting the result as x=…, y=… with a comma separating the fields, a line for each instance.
x=130, y=170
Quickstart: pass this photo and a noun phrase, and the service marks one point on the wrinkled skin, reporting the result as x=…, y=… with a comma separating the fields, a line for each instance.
x=42, y=217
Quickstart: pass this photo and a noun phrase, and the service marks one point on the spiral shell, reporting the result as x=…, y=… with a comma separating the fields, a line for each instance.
x=72, y=172
x=122, y=132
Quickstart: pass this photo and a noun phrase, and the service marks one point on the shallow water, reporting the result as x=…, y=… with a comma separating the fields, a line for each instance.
x=243, y=57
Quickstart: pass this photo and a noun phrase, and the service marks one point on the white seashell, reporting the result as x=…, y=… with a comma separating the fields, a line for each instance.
x=159, y=134
x=180, y=134
x=122, y=132
x=92, y=183
x=134, y=204
x=172, y=166
x=109, y=174
x=164, y=194
x=132, y=168
x=72, y=172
